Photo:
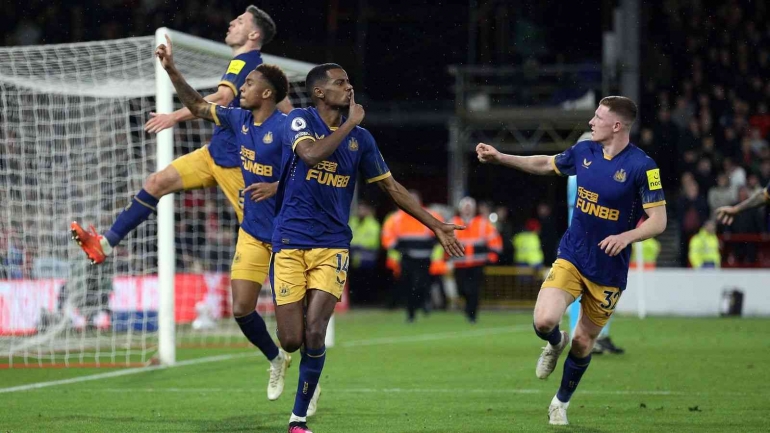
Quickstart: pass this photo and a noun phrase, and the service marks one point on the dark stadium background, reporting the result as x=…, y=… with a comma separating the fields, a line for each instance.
x=397, y=53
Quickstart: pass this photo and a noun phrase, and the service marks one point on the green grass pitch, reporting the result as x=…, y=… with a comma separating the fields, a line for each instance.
x=439, y=374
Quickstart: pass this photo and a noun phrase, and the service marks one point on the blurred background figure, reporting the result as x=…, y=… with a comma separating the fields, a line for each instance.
x=500, y=218
x=527, y=252
x=704, y=247
x=482, y=245
x=414, y=242
x=364, y=251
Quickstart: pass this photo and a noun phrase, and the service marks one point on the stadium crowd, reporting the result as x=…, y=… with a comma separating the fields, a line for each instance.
x=705, y=110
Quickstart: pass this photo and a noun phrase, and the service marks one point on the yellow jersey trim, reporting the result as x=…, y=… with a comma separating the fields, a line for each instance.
x=607, y=157
x=378, y=178
x=213, y=109
x=654, y=204
x=230, y=85
x=555, y=168
x=257, y=124
x=296, y=142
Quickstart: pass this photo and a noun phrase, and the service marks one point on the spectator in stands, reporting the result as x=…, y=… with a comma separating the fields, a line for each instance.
x=736, y=173
x=704, y=175
x=693, y=211
x=664, y=151
x=721, y=194
x=751, y=221
x=704, y=247
x=549, y=233
x=764, y=172
x=504, y=226
x=11, y=258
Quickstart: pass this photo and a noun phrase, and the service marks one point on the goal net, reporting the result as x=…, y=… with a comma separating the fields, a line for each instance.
x=73, y=148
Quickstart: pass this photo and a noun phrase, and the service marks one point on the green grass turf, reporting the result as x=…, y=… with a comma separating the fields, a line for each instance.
x=437, y=375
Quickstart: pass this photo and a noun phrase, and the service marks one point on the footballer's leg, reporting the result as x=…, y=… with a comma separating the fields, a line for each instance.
x=560, y=289
x=549, y=309
x=188, y=172
x=575, y=365
x=248, y=272
x=319, y=311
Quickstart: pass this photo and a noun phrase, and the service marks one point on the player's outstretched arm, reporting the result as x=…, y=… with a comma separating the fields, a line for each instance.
x=190, y=97
x=726, y=214
x=312, y=152
x=445, y=233
x=160, y=121
x=540, y=164
x=653, y=226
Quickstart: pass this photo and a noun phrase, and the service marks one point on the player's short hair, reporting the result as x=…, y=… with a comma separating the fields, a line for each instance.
x=319, y=73
x=264, y=22
x=277, y=79
x=622, y=106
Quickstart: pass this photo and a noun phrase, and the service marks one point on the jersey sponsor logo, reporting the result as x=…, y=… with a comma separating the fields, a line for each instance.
x=587, y=202
x=325, y=173
x=298, y=124
x=586, y=163
x=353, y=144
x=268, y=138
x=247, y=153
x=620, y=176
x=653, y=179
x=235, y=66
x=245, y=130
x=257, y=168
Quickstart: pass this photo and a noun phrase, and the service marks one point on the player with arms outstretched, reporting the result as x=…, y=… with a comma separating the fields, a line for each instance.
x=726, y=214
x=617, y=182
x=255, y=128
x=215, y=164
x=323, y=153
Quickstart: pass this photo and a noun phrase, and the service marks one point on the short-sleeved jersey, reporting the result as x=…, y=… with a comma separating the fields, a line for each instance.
x=612, y=194
x=224, y=146
x=314, y=202
x=260, y=158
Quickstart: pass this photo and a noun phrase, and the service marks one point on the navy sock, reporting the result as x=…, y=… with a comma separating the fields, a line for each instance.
x=254, y=328
x=553, y=337
x=574, y=368
x=309, y=373
x=141, y=207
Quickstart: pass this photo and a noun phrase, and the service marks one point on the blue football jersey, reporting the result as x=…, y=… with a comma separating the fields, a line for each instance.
x=260, y=159
x=314, y=202
x=612, y=194
x=224, y=147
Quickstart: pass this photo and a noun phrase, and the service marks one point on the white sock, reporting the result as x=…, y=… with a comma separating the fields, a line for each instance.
x=558, y=402
x=106, y=247
x=295, y=418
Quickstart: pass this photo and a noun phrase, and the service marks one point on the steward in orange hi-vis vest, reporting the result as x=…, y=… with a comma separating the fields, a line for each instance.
x=414, y=242
x=482, y=245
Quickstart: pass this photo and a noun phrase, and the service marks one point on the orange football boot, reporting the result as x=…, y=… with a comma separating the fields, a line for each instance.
x=89, y=241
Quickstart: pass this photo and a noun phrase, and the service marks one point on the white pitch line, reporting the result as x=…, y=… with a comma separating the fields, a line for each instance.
x=371, y=342
x=126, y=372
x=459, y=391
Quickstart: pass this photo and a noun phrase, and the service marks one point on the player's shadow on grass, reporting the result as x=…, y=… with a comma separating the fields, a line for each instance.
x=245, y=423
